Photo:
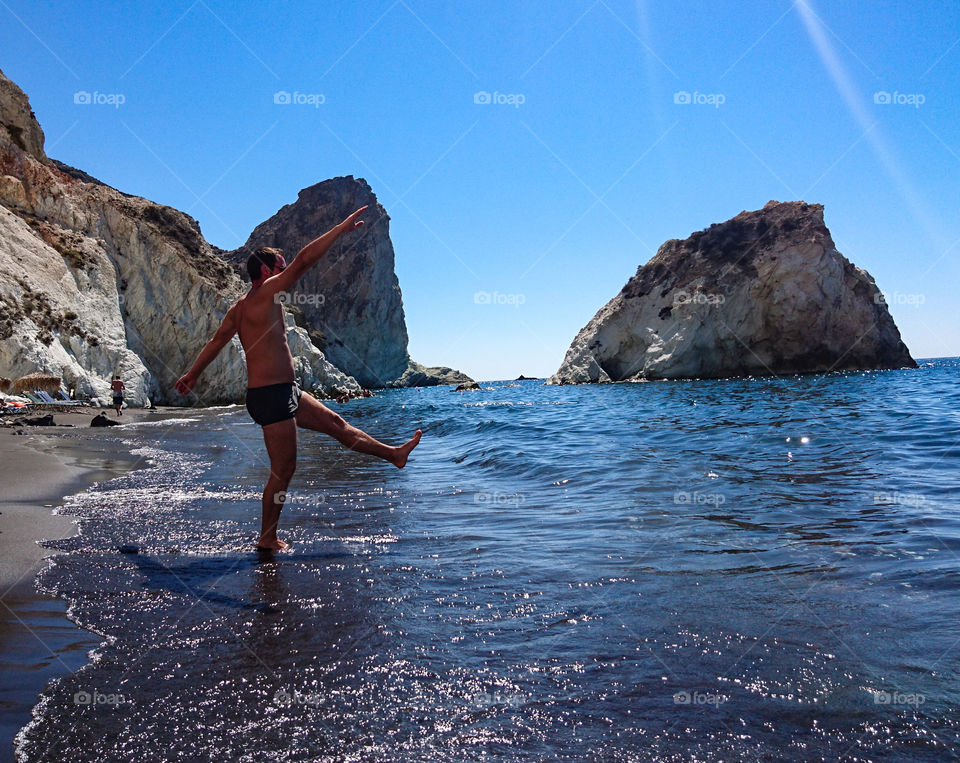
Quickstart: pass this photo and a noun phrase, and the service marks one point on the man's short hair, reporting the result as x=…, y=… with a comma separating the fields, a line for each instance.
x=264, y=255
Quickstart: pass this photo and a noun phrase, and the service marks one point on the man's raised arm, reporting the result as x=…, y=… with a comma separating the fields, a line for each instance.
x=310, y=254
x=210, y=350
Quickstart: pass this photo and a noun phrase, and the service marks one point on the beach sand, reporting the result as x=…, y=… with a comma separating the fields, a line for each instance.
x=37, y=470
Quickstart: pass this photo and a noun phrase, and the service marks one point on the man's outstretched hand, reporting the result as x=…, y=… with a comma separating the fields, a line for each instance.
x=352, y=223
x=185, y=384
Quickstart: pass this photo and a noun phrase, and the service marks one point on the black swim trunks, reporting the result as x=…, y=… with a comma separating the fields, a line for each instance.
x=273, y=403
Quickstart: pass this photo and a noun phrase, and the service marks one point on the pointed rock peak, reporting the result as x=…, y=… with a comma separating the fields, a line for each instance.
x=797, y=208
x=18, y=124
x=345, y=185
x=778, y=211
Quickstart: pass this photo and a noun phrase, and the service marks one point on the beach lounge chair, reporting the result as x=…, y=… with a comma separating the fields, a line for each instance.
x=65, y=396
x=39, y=402
x=47, y=398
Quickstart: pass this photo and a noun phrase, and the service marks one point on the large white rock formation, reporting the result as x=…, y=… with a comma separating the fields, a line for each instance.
x=766, y=292
x=95, y=282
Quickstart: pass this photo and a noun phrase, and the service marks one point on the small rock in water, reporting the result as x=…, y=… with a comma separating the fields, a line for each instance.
x=129, y=548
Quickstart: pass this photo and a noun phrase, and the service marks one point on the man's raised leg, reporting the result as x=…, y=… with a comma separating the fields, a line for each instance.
x=281, y=442
x=312, y=414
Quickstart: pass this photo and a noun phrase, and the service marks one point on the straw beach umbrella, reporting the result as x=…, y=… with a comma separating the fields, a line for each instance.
x=5, y=384
x=46, y=382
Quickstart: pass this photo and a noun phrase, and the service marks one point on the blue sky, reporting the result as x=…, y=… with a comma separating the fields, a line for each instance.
x=585, y=159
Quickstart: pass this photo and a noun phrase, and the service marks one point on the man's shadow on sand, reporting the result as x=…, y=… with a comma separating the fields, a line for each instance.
x=284, y=595
x=197, y=577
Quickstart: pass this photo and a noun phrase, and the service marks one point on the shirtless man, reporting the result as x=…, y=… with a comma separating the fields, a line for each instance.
x=118, y=387
x=273, y=398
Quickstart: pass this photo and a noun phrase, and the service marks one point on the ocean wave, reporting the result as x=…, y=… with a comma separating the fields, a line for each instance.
x=161, y=422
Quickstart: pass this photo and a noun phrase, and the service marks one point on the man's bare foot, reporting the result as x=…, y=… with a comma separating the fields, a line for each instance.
x=274, y=545
x=400, y=460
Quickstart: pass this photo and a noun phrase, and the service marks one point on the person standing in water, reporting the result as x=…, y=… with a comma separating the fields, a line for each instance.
x=273, y=399
x=118, y=387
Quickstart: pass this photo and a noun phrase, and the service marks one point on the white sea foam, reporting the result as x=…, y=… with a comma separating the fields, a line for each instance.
x=162, y=422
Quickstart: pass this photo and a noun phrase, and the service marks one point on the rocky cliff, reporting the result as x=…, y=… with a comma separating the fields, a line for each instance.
x=766, y=292
x=95, y=282
x=351, y=301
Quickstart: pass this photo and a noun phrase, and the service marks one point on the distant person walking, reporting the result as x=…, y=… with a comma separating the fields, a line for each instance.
x=273, y=399
x=118, y=387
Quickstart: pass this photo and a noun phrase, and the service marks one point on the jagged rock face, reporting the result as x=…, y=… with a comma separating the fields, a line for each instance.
x=18, y=125
x=352, y=297
x=94, y=282
x=766, y=292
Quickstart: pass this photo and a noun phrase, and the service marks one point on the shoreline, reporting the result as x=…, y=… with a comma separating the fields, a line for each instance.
x=39, y=470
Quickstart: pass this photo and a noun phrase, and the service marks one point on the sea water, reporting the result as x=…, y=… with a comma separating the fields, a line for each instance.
x=736, y=569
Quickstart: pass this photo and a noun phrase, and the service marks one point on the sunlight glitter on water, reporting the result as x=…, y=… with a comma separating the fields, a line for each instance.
x=634, y=569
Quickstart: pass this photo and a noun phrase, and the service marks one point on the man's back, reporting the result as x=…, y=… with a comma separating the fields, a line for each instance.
x=260, y=326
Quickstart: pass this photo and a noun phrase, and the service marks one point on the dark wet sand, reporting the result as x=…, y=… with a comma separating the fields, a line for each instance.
x=37, y=470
